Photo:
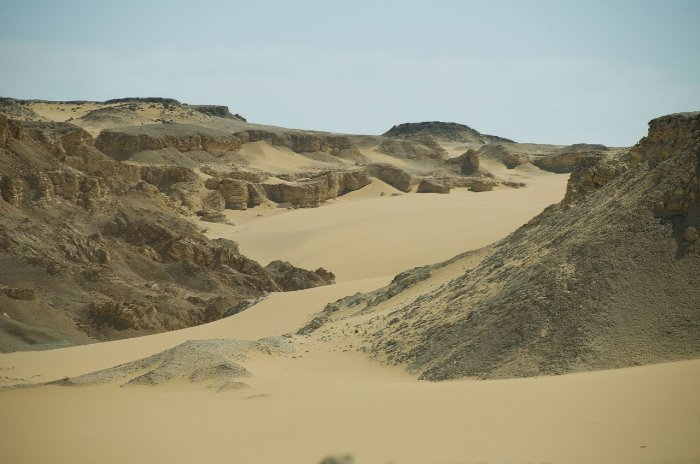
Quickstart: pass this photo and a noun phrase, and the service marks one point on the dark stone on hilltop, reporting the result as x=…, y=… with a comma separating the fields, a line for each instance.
x=447, y=131
x=219, y=111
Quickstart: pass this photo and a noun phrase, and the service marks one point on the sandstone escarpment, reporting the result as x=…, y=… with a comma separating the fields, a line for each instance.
x=396, y=177
x=121, y=144
x=314, y=191
x=306, y=192
x=300, y=142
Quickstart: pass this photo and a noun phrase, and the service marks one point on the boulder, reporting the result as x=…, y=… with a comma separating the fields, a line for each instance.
x=481, y=185
x=432, y=186
x=396, y=177
x=470, y=162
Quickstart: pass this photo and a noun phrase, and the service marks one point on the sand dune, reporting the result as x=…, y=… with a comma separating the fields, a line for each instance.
x=393, y=233
x=298, y=410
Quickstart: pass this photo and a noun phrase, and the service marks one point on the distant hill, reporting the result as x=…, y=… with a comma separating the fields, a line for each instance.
x=445, y=131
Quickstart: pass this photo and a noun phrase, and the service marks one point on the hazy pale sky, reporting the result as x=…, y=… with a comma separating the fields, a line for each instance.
x=534, y=71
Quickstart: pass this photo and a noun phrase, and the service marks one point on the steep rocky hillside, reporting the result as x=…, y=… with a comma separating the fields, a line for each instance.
x=607, y=278
x=94, y=249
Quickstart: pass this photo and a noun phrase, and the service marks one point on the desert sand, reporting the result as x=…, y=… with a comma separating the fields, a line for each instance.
x=325, y=399
x=370, y=233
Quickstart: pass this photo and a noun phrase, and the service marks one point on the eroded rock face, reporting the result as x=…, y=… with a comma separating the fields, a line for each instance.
x=300, y=142
x=234, y=192
x=590, y=173
x=314, y=191
x=667, y=135
x=562, y=163
x=75, y=222
x=393, y=176
x=121, y=144
x=86, y=191
x=673, y=135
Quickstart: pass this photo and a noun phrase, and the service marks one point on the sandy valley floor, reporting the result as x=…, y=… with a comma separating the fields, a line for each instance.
x=323, y=400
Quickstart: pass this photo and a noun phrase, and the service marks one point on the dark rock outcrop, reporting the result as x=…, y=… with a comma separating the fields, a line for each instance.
x=219, y=111
x=294, y=278
x=447, y=131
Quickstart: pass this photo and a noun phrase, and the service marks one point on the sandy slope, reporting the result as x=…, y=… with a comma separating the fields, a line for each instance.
x=301, y=409
x=324, y=400
x=363, y=234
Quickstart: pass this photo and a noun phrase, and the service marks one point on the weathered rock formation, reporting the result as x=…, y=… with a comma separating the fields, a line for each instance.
x=122, y=143
x=220, y=111
x=294, y=278
x=396, y=177
x=105, y=247
x=304, y=193
x=314, y=191
x=591, y=173
x=513, y=160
